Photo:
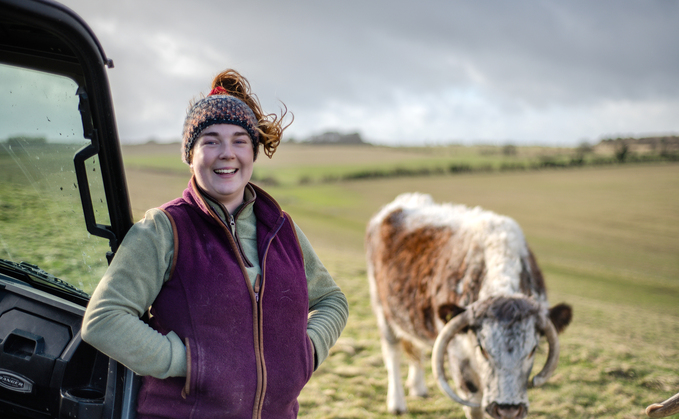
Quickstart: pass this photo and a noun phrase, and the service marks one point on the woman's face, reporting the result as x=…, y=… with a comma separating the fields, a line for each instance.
x=222, y=163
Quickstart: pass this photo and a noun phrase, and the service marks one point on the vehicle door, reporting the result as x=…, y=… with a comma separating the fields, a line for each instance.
x=64, y=209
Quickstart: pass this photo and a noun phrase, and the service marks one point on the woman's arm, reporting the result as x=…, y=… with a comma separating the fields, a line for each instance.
x=128, y=288
x=328, y=307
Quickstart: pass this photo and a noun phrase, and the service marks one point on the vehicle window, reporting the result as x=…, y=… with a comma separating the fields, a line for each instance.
x=41, y=216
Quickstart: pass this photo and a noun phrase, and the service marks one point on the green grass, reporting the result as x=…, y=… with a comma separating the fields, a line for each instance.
x=606, y=237
x=50, y=234
x=608, y=242
x=295, y=164
x=41, y=217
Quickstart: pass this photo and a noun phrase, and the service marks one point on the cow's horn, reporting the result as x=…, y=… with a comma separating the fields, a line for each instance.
x=451, y=328
x=667, y=408
x=552, y=357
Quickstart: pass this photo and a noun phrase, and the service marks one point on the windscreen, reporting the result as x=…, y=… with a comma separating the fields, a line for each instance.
x=41, y=216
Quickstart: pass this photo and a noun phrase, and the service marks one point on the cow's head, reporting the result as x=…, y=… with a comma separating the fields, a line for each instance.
x=499, y=337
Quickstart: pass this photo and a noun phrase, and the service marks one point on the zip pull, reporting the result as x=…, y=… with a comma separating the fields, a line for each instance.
x=232, y=224
x=257, y=287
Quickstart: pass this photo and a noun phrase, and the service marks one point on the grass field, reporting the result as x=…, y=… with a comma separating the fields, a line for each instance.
x=303, y=164
x=607, y=239
x=41, y=218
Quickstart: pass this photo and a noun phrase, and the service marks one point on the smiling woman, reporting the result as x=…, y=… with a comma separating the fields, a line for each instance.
x=242, y=309
x=222, y=163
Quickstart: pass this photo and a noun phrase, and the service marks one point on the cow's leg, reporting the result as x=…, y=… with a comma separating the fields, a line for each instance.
x=396, y=402
x=415, y=382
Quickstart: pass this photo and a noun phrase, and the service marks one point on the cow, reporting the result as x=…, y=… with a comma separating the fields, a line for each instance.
x=462, y=281
x=664, y=409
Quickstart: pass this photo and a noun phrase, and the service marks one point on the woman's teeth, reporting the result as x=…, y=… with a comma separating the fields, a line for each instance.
x=225, y=171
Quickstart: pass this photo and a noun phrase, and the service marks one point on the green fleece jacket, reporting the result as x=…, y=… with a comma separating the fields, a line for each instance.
x=141, y=267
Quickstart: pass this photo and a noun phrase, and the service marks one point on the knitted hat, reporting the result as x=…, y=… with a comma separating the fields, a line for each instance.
x=217, y=108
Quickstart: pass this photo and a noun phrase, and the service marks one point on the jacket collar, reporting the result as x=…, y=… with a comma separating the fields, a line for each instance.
x=266, y=208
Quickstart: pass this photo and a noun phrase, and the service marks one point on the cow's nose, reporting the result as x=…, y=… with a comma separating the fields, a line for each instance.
x=507, y=411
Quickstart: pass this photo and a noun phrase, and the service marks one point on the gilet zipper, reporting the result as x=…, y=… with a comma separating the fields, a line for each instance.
x=257, y=330
x=258, y=291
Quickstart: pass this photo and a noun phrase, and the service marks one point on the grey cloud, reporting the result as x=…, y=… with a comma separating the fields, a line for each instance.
x=522, y=63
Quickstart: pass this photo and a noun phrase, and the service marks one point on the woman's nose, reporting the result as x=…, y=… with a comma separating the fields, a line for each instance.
x=226, y=151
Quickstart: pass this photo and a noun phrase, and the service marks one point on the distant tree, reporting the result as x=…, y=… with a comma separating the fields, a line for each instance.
x=584, y=148
x=581, y=151
x=663, y=147
x=509, y=150
x=621, y=150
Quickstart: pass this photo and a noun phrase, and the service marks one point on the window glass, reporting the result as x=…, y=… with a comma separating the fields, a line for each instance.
x=41, y=216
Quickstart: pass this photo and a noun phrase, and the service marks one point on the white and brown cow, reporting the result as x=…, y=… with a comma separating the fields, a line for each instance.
x=464, y=281
x=664, y=409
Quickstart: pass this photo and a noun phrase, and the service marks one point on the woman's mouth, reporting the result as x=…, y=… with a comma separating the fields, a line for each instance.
x=225, y=171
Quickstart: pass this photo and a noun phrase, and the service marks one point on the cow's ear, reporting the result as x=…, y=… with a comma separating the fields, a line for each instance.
x=448, y=311
x=561, y=315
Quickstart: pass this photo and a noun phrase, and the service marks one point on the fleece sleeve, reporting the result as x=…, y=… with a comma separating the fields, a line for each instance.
x=328, y=307
x=128, y=288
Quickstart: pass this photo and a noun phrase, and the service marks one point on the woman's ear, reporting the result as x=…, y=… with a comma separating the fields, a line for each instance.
x=191, y=160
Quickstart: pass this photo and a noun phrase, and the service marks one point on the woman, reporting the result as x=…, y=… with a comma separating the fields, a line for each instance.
x=242, y=310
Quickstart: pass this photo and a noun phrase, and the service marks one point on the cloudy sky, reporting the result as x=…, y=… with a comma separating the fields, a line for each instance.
x=402, y=72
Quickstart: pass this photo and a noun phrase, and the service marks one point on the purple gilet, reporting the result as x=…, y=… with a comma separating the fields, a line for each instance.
x=248, y=353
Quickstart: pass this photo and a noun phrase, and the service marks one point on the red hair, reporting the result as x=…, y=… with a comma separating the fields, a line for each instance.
x=270, y=126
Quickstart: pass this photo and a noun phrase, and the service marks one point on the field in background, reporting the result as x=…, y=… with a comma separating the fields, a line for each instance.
x=41, y=217
x=303, y=164
x=606, y=237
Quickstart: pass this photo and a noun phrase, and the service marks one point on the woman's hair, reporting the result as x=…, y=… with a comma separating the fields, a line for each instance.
x=270, y=126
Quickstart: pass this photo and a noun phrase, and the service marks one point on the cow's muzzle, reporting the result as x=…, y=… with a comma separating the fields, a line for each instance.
x=507, y=411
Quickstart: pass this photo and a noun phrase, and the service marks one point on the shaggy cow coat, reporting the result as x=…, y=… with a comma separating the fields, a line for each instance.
x=426, y=264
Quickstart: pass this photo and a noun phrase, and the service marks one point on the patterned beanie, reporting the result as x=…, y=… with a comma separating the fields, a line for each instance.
x=217, y=108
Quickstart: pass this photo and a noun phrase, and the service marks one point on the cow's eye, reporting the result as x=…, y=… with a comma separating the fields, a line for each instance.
x=535, y=348
x=483, y=351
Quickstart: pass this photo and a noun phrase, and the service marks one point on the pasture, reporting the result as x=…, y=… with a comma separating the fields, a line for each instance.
x=606, y=238
x=41, y=216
